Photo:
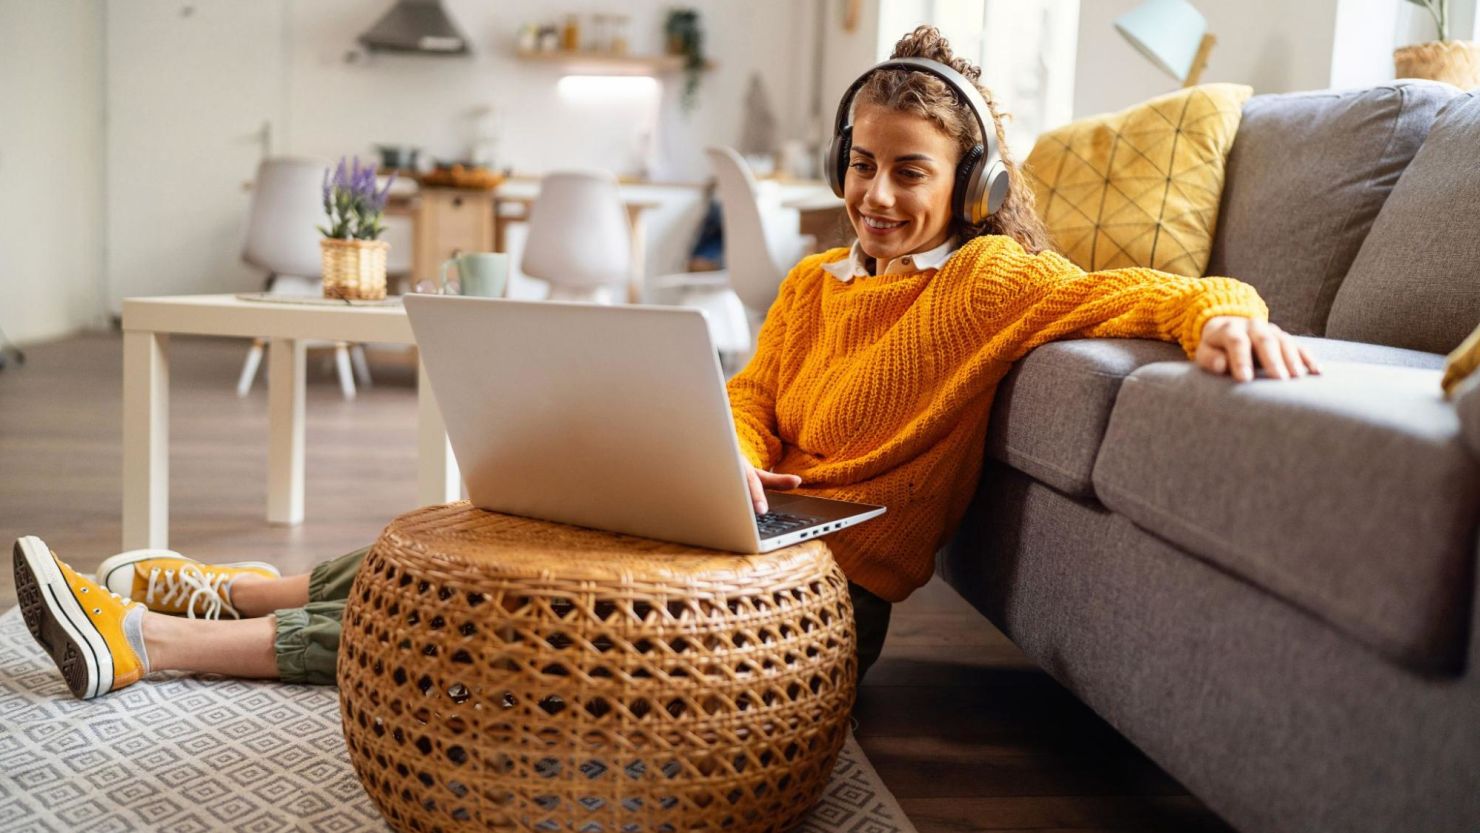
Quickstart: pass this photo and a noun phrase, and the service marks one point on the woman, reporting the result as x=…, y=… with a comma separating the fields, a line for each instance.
x=872, y=381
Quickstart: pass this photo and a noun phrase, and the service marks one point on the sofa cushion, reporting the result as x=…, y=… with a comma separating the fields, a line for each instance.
x=1349, y=494
x=1306, y=177
x=1336, y=350
x=1414, y=282
x=1139, y=187
x=1050, y=411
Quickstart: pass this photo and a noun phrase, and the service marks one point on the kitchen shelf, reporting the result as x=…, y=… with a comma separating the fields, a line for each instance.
x=601, y=63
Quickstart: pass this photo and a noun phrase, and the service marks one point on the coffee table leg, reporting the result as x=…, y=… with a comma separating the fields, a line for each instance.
x=438, y=479
x=285, y=394
x=146, y=439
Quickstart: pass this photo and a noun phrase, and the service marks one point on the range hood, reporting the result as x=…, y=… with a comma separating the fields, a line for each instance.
x=418, y=26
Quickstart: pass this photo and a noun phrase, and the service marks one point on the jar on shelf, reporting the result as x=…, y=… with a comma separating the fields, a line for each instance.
x=529, y=38
x=621, y=26
x=570, y=34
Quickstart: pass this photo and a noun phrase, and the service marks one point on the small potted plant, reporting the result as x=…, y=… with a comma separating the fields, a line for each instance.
x=353, y=254
x=1454, y=61
x=685, y=38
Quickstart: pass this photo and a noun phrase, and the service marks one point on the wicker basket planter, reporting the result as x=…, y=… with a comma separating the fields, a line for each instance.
x=502, y=673
x=1454, y=61
x=354, y=269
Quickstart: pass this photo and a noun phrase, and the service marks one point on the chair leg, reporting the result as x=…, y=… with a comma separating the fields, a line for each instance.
x=346, y=375
x=362, y=368
x=249, y=368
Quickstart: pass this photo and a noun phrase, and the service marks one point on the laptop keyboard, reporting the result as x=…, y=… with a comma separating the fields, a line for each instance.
x=772, y=524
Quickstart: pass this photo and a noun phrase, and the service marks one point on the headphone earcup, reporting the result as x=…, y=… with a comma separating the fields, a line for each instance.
x=998, y=183
x=964, y=196
x=981, y=187
x=835, y=167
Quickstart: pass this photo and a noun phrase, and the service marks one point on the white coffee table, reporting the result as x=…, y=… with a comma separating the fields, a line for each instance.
x=147, y=326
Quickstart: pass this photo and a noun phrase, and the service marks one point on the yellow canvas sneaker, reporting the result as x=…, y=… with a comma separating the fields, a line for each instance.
x=168, y=582
x=95, y=637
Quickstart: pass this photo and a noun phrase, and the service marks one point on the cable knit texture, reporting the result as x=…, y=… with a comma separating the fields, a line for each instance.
x=878, y=390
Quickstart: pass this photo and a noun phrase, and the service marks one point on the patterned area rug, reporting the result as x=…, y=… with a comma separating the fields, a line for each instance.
x=191, y=754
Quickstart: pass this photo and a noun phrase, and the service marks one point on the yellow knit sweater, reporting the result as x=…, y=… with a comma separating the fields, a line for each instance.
x=878, y=389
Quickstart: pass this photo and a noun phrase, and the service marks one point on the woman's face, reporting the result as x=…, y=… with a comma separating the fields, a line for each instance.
x=901, y=169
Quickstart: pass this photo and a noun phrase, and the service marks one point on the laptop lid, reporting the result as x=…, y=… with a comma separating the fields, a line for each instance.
x=614, y=418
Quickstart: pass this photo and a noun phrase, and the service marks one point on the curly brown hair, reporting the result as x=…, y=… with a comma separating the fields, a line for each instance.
x=929, y=97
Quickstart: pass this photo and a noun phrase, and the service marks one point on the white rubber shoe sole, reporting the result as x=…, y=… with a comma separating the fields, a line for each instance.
x=118, y=569
x=58, y=622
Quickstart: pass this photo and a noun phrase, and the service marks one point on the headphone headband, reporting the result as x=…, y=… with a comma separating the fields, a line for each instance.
x=966, y=91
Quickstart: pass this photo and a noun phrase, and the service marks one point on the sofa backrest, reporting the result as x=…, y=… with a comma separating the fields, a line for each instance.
x=1305, y=180
x=1416, y=281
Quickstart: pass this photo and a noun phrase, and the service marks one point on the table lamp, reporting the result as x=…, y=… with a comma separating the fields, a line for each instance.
x=1172, y=34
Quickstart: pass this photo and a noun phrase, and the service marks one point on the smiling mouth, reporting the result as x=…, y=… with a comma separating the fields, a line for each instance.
x=880, y=224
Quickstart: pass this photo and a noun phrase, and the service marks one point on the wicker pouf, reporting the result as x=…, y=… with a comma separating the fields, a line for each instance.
x=501, y=673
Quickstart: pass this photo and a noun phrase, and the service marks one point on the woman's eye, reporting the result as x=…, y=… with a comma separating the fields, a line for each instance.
x=860, y=166
x=912, y=174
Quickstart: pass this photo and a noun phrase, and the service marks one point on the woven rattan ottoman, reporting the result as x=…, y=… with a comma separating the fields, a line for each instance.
x=502, y=673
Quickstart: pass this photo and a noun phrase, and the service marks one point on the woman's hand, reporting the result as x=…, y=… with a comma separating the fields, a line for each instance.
x=759, y=481
x=1230, y=343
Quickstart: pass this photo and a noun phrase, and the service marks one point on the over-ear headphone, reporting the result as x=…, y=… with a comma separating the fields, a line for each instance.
x=981, y=178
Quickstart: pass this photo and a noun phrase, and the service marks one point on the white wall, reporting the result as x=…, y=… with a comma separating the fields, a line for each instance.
x=51, y=163
x=1271, y=45
x=845, y=55
x=337, y=100
x=1367, y=32
x=338, y=107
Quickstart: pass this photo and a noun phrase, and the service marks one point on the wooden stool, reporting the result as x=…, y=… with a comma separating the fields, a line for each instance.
x=498, y=672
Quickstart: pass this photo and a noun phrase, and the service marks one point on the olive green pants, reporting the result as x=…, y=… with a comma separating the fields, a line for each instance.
x=307, y=641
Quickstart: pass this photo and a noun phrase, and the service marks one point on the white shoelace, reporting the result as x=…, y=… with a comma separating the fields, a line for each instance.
x=189, y=585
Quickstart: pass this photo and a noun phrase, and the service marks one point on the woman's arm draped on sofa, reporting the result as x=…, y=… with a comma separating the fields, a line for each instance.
x=1030, y=300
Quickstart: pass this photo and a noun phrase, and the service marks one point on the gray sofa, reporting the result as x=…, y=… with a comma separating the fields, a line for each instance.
x=1271, y=588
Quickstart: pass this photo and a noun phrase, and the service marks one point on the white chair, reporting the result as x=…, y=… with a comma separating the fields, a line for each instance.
x=580, y=240
x=282, y=237
x=759, y=248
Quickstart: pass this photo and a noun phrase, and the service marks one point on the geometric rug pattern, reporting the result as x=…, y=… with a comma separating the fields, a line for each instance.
x=193, y=754
x=1140, y=187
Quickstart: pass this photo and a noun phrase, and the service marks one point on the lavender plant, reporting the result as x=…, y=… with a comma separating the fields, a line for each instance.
x=351, y=201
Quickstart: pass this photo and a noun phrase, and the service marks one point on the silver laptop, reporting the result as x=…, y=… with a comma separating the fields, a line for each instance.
x=606, y=417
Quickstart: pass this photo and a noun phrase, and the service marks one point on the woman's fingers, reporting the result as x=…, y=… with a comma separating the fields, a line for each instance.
x=1233, y=344
x=757, y=492
x=772, y=480
x=1211, y=359
x=1293, y=359
x=1267, y=345
x=1310, y=361
x=1237, y=346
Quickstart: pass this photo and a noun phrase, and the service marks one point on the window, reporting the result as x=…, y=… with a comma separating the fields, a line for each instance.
x=1024, y=47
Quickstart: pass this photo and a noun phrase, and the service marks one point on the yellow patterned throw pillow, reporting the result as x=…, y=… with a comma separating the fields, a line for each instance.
x=1139, y=187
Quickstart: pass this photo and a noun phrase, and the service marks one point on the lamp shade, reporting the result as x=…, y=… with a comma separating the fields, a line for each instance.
x=1167, y=32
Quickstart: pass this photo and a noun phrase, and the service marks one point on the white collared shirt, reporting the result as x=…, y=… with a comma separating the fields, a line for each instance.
x=853, y=266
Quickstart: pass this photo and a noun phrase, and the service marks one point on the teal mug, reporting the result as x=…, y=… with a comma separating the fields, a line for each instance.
x=483, y=274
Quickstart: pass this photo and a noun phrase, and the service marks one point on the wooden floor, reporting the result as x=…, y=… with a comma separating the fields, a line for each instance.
x=967, y=733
